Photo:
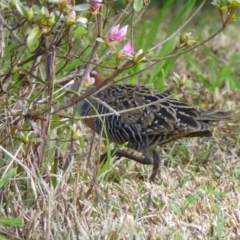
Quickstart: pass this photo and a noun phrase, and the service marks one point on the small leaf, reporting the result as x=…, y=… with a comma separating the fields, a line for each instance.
x=16, y=222
x=33, y=37
x=24, y=11
x=192, y=198
x=139, y=56
x=36, y=8
x=30, y=15
x=81, y=7
x=137, y=5
x=37, y=140
x=45, y=11
x=5, y=178
x=79, y=31
x=4, y=4
x=83, y=21
x=175, y=208
x=50, y=20
x=100, y=40
x=19, y=7
x=149, y=85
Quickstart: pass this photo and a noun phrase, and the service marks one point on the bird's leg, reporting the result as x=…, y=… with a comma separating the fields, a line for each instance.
x=155, y=160
x=146, y=160
x=156, y=165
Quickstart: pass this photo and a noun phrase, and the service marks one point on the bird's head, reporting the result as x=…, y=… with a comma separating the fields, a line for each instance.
x=94, y=78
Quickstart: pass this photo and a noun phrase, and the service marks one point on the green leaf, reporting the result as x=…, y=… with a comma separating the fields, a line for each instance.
x=30, y=15
x=81, y=7
x=5, y=178
x=24, y=11
x=137, y=5
x=70, y=66
x=175, y=208
x=36, y=140
x=82, y=21
x=45, y=11
x=19, y=7
x=4, y=4
x=79, y=31
x=192, y=198
x=33, y=38
x=36, y=8
x=16, y=222
x=100, y=40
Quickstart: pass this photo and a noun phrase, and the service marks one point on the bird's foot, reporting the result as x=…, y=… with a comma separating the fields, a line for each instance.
x=146, y=160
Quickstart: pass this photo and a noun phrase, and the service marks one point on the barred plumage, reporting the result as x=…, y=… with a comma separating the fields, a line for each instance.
x=155, y=119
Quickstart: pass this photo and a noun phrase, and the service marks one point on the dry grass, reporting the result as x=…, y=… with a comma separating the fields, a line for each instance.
x=195, y=197
x=194, y=200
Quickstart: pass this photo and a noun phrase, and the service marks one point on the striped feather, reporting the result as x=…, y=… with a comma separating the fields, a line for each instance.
x=164, y=120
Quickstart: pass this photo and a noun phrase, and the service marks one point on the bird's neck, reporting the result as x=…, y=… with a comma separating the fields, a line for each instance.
x=99, y=78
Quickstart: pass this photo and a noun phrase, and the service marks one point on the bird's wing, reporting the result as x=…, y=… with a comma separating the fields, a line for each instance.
x=153, y=111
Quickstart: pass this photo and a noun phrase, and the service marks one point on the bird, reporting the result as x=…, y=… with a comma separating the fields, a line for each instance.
x=144, y=118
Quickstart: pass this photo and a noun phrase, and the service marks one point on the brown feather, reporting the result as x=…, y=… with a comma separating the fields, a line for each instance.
x=147, y=118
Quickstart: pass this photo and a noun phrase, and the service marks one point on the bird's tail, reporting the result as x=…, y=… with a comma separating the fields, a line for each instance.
x=214, y=115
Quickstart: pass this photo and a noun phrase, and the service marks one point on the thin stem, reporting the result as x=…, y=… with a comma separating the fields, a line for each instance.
x=10, y=30
x=179, y=29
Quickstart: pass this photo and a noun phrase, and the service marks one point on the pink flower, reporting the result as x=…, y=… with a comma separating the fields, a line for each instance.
x=65, y=5
x=88, y=81
x=116, y=35
x=72, y=15
x=88, y=78
x=127, y=48
x=71, y=19
x=95, y=5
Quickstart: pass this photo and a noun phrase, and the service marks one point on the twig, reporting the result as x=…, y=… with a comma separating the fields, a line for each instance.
x=105, y=104
x=10, y=30
x=179, y=29
x=157, y=60
x=75, y=99
x=145, y=5
x=125, y=111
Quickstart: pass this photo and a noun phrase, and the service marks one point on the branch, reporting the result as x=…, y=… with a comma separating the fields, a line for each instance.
x=179, y=29
x=157, y=60
x=10, y=30
x=75, y=99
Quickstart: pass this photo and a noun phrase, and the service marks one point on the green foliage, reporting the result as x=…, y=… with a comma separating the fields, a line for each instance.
x=16, y=222
x=217, y=76
x=151, y=29
x=7, y=176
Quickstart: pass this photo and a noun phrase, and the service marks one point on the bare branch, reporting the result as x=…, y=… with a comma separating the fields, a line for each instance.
x=179, y=29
